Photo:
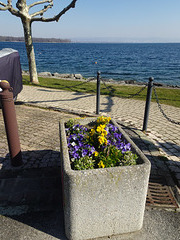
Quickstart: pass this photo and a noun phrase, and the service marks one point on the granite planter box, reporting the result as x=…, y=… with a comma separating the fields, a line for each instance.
x=103, y=202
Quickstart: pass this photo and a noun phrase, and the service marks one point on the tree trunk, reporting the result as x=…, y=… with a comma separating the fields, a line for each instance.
x=30, y=51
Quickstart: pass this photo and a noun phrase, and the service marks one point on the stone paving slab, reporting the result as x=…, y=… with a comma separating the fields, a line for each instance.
x=164, y=134
x=39, y=136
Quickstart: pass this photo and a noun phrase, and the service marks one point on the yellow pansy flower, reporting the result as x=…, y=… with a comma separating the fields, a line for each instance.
x=101, y=139
x=101, y=164
x=103, y=126
x=99, y=119
x=100, y=128
x=104, y=132
x=103, y=120
x=96, y=153
x=92, y=132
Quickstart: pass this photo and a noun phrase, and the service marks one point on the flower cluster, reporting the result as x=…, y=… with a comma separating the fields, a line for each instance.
x=98, y=134
x=98, y=147
x=77, y=145
x=115, y=138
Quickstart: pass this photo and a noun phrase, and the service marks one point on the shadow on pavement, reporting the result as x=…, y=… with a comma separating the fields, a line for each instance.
x=168, y=146
x=108, y=105
x=49, y=222
x=34, y=159
x=80, y=95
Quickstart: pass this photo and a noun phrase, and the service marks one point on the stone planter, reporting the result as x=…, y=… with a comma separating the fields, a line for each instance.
x=103, y=202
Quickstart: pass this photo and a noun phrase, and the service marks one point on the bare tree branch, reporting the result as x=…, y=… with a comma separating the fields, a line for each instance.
x=5, y=6
x=56, y=17
x=43, y=10
x=39, y=2
x=9, y=7
x=14, y=12
x=9, y=2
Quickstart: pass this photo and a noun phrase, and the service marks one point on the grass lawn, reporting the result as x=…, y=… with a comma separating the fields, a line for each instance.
x=169, y=96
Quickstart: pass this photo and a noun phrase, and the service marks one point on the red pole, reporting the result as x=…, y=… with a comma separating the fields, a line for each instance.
x=9, y=115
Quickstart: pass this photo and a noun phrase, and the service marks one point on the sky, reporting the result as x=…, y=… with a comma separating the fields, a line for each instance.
x=105, y=21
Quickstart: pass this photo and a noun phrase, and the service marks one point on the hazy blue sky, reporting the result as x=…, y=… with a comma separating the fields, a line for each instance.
x=106, y=20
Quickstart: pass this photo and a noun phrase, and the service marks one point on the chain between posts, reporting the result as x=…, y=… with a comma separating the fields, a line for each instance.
x=131, y=96
x=161, y=110
x=83, y=82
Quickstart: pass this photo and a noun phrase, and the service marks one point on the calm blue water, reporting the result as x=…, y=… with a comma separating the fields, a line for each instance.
x=121, y=61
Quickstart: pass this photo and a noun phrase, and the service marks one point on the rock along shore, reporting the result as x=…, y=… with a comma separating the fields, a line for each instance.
x=79, y=77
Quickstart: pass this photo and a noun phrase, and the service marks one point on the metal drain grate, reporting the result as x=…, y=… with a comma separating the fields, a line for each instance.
x=160, y=193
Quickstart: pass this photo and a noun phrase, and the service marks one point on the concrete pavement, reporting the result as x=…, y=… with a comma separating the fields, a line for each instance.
x=164, y=134
x=158, y=225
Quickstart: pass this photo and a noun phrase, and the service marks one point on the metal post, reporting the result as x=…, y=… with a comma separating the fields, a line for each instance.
x=9, y=115
x=98, y=93
x=148, y=101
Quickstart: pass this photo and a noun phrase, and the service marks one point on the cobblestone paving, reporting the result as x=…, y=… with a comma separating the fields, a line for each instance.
x=39, y=137
x=39, y=128
x=164, y=134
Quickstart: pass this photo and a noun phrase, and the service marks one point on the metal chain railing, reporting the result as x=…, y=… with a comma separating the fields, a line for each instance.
x=131, y=95
x=79, y=84
x=136, y=94
x=161, y=110
x=83, y=82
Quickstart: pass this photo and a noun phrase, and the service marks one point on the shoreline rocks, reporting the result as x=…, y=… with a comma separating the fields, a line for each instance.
x=78, y=76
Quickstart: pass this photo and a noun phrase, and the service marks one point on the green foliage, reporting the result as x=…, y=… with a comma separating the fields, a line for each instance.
x=112, y=157
x=128, y=159
x=83, y=163
x=71, y=122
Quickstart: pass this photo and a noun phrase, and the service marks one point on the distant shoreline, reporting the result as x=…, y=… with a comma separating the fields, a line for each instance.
x=38, y=40
x=61, y=40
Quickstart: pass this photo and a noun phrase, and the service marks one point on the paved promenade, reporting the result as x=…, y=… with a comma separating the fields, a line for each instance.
x=39, y=136
x=164, y=134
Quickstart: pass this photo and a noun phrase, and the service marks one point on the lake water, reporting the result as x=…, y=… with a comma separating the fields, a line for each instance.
x=119, y=61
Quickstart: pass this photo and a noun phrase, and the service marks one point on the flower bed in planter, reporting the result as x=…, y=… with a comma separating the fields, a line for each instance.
x=103, y=201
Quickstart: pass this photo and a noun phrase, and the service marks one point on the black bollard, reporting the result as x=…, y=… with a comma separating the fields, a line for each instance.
x=148, y=101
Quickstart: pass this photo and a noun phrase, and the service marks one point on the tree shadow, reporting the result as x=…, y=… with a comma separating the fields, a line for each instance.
x=79, y=94
x=67, y=87
x=47, y=90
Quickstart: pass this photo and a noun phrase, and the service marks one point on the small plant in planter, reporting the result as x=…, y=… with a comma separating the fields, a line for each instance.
x=99, y=146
